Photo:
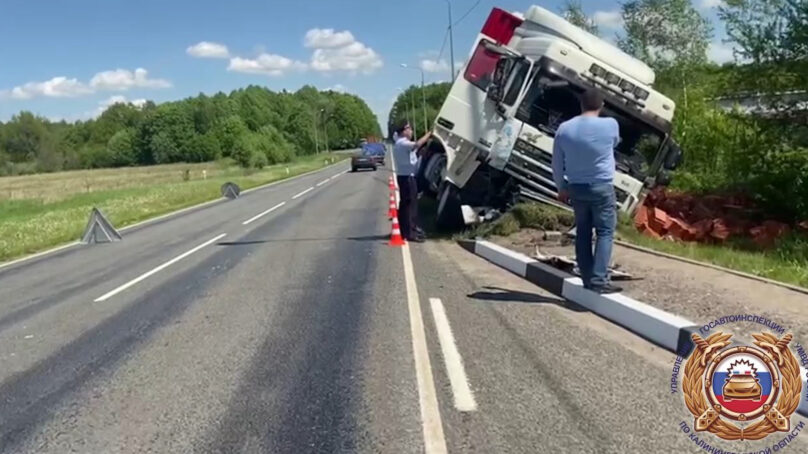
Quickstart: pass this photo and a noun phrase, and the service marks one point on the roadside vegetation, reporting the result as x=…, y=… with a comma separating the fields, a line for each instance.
x=254, y=127
x=49, y=209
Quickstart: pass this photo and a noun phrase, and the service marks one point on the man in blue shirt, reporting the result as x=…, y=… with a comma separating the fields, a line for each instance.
x=583, y=152
x=406, y=162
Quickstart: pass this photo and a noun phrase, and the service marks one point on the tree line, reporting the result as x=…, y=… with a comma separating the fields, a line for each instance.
x=253, y=126
x=725, y=151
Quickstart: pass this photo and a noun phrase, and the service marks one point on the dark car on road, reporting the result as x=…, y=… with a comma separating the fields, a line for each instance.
x=363, y=160
x=375, y=149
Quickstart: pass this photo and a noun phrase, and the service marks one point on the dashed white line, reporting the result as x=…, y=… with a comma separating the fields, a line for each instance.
x=158, y=269
x=257, y=216
x=322, y=182
x=301, y=194
x=434, y=440
x=463, y=396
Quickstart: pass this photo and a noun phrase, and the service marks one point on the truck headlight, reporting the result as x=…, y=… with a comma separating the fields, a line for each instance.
x=627, y=86
x=598, y=71
x=640, y=93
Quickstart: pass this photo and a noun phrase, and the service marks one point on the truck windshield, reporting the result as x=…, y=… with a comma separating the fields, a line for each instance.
x=551, y=101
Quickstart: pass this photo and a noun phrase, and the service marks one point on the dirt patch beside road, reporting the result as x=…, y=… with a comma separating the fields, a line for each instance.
x=694, y=292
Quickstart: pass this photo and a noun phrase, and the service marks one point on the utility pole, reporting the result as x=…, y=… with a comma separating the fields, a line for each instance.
x=451, y=41
x=412, y=103
x=423, y=94
x=316, y=141
x=325, y=130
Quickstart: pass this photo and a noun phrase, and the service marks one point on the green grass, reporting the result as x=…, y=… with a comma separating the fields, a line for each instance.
x=41, y=221
x=523, y=215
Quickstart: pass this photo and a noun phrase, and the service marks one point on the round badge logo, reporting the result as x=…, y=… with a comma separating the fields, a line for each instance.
x=742, y=392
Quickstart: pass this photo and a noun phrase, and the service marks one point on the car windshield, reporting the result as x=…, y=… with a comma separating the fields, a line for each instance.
x=550, y=101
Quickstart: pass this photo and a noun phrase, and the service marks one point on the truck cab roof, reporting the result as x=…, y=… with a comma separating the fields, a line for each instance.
x=541, y=21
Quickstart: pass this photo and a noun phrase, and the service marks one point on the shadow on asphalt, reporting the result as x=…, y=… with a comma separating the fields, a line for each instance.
x=514, y=296
x=380, y=238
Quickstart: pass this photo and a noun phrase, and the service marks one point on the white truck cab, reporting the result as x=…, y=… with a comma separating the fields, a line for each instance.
x=493, y=137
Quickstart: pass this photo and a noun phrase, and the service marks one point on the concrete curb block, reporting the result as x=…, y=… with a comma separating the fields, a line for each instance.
x=669, y=331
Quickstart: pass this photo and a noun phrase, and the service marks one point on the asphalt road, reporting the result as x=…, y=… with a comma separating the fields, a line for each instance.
x=302, y=331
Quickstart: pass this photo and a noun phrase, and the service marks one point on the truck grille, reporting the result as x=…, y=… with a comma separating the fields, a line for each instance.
x=533, y=168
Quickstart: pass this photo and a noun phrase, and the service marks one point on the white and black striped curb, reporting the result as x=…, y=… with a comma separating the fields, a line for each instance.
x=666, y=330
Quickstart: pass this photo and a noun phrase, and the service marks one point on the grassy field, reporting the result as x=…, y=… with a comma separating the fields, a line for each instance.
x=786, y=262
x=41, y=211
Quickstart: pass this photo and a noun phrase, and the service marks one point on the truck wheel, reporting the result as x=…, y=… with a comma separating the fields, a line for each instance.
x=449, y=215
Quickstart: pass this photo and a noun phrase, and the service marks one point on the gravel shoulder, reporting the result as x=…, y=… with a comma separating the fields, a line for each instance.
x=698, y=293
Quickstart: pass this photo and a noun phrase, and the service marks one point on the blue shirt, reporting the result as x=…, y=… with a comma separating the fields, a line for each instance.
x=405, y=157
x=583, y=151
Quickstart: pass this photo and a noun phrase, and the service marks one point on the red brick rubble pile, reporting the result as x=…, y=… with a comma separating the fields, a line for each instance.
x=706, y=219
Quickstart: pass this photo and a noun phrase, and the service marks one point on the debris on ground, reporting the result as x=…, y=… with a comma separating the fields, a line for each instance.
x=570, y=266
x=707, y=219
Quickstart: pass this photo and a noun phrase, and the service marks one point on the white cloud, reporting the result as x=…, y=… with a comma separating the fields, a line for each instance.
x=339, y=88
x=340, y=51
x=266, y=64
x=720, y=52
x=120, y=99
x=123, y=79
x=327, y=38
x=608, y=19
x=709, y=4
x=205, y=49
x=57, y=87
x=355, y=57
x=105, y=104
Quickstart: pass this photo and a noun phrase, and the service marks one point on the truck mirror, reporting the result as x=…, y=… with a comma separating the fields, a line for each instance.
x=494, y=93
x=674, y=157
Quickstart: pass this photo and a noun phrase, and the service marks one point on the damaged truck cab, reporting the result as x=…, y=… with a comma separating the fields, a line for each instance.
x=493, y=137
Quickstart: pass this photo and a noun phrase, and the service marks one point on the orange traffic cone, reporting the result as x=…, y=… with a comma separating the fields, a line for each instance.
x=395, y=238
x=392, y=184
x=393, y=213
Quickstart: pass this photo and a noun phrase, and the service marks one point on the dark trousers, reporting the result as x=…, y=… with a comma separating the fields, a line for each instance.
x=408, y=206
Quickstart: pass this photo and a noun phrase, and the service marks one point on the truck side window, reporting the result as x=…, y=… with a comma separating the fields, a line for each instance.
x=481, y=67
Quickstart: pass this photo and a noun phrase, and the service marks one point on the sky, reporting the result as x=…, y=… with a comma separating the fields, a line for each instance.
x=69, y=59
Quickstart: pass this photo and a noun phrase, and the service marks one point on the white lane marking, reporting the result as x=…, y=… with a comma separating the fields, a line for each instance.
x=301, y=194
x=322, y=182
x=157, y=270
x=463, y=396
x=263, y=213
x=434, y=440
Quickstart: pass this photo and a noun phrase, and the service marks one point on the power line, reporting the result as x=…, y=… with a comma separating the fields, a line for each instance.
x=443, y=46
x=466, y=14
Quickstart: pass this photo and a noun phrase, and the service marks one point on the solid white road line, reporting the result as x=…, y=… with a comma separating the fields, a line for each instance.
x=263, y=213
x=322, y=182
x=463, y=396
x=434, y=440
x=158, y=269
x=301, y=194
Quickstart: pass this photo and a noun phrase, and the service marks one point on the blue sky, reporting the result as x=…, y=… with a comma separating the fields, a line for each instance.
x=68, y=59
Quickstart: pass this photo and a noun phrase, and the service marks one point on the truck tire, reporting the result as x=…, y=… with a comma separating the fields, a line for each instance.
x=449, y=216
x=431, y=174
